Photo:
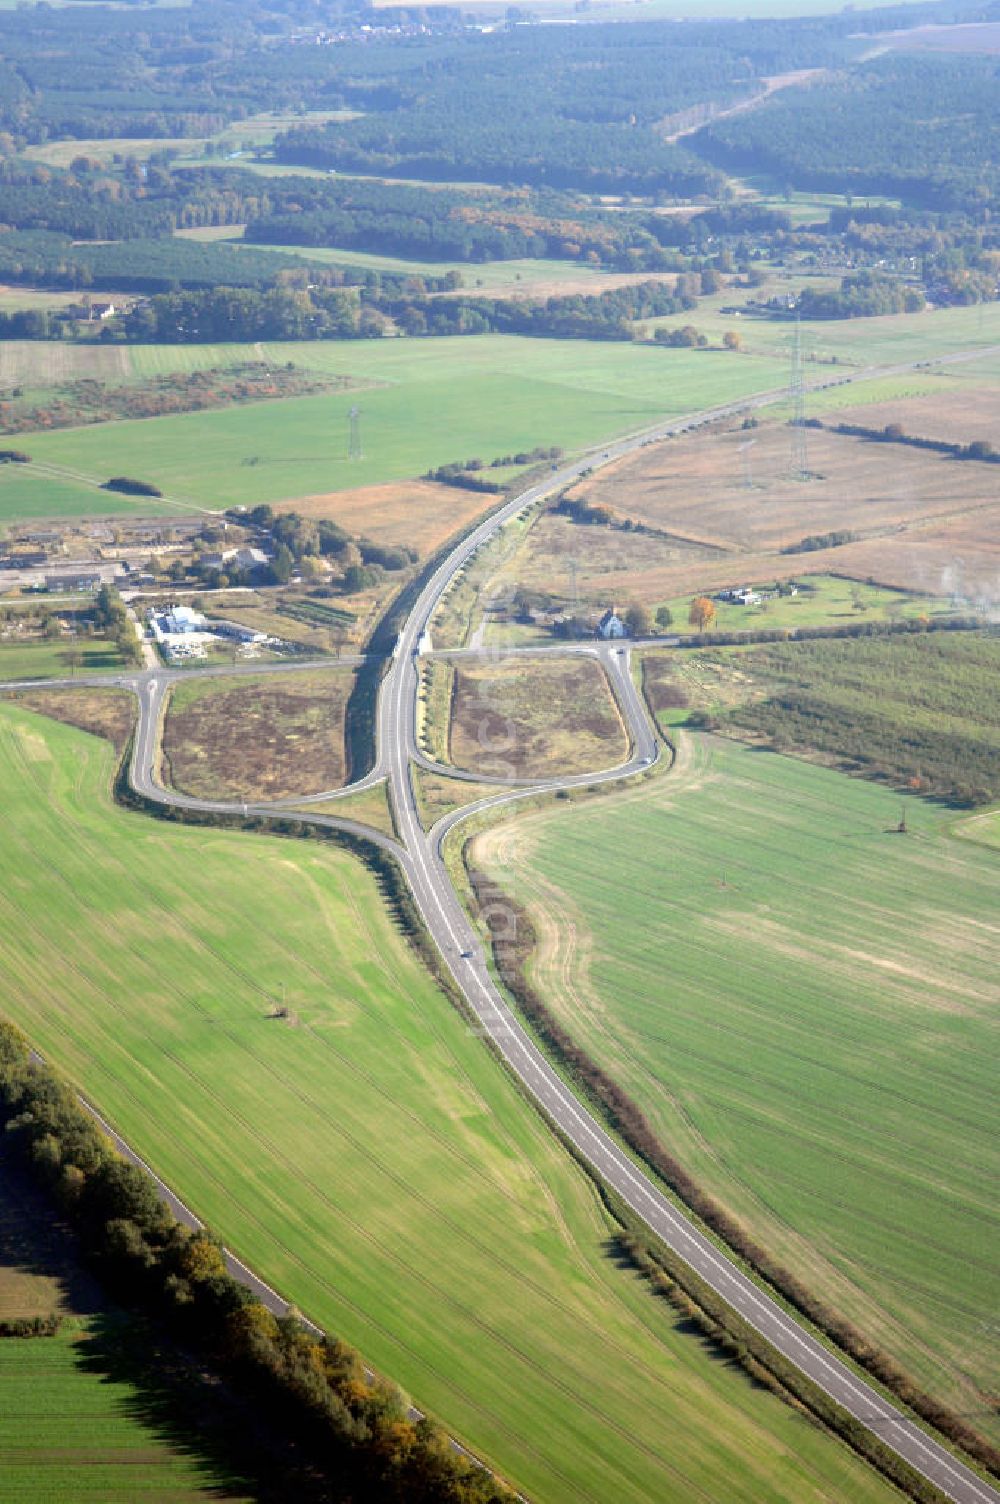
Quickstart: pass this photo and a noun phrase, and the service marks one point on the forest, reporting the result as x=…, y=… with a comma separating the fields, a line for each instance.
x=860, y=135
x=43, y=258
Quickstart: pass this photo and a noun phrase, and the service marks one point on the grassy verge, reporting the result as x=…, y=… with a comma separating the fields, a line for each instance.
x=437, y=689
x=437, y=795
x=370, y=807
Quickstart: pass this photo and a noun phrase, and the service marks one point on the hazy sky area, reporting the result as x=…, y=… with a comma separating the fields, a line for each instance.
x=708, y=9
x=700, y=10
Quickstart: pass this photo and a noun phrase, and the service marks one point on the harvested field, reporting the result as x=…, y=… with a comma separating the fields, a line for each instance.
x=529, y=719
x=609, y=565
x=418, y=513
x=38, y=1273
x=35, y=362
x=960, y=411
x=250, y=738
x=567, y=286
x=917, y=515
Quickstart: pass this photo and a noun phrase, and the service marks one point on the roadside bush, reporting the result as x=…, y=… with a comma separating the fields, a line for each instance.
x=130, y=487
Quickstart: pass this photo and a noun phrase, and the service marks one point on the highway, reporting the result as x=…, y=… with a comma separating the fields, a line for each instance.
x=420, y=856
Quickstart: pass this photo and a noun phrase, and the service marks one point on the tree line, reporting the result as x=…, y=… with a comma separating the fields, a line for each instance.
x=981, y=450
x=861, y=295
x=861, y=137
x=110, y=618
x=281, y=313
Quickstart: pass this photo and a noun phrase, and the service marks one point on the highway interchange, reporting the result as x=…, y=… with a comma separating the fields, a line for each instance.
x=419, y=853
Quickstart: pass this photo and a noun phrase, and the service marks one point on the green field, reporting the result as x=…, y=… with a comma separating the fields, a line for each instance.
x=368, y=1156
x=823, y=600
x=432, y=401
x=480, y=273
x=67, y=1431
x=47, y=660
x=984, y=828
x=26, y=492
x=438, y=400
x=804, y=1002
x=849, y=342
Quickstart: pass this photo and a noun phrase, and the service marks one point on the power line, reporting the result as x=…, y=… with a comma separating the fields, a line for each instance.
x=747, y=459
x=354, y=451
x=800, y=454
x=574, y=577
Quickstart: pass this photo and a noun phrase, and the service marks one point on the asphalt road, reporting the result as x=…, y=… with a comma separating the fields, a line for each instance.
x=420, y=854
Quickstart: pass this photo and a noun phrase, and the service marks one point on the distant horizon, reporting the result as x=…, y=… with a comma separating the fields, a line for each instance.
x=680, y=10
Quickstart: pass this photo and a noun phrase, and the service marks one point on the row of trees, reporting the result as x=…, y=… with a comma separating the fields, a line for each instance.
x=281, y=313
x=863, y=294
x=110, y=618
x=981, y=450
x=346, y=1428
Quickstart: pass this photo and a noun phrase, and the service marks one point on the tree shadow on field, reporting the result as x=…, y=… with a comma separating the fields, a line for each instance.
x=703, y=1331
x=243, y=1457
x=36, y=1246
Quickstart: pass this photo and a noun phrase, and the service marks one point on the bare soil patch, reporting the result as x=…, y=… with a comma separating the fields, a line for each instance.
x=258, y=738
x=532, y=719
x=418, y=513
x=958, y=416
x=103, y=712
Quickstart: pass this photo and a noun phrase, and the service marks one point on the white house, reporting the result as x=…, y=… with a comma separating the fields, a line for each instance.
x=181, y=619
x=740, y=595
x=611, y=625
x=236, y=558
